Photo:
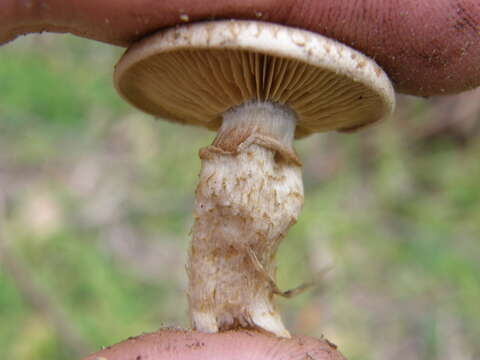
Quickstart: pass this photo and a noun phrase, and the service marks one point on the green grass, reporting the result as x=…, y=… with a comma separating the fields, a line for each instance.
x=99, y=198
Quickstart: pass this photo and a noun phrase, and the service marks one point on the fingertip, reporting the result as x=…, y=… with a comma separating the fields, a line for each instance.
x=175, y=344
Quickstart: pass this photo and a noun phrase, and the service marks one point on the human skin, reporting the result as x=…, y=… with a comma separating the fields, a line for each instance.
x=427, y=47
x=171, y=344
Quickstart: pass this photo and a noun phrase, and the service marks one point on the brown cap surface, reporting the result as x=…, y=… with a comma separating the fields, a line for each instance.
x=231, y=345
x=194, y=73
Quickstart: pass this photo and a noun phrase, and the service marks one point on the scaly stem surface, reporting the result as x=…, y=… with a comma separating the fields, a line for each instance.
x=249, y=194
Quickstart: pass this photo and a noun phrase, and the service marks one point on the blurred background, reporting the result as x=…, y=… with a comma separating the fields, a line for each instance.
x=96, y=201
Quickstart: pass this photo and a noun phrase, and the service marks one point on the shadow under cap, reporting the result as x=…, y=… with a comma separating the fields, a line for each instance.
x=193, y=74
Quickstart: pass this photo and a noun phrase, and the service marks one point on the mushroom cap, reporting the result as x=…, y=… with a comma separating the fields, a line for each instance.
x=194, y=73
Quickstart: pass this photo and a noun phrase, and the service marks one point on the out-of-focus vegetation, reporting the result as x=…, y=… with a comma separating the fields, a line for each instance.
x=95, y=211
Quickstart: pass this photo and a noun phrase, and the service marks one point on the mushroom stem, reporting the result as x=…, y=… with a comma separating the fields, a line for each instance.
x=249, y=194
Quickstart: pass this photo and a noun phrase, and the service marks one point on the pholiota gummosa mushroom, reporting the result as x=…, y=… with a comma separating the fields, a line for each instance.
x=260, y=86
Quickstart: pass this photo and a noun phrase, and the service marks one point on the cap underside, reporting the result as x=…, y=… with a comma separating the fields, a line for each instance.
x=194, y=73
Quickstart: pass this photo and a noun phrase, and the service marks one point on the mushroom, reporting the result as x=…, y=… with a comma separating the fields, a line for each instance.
x=259, y=85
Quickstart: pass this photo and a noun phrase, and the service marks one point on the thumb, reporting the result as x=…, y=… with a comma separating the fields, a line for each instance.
x=172, y=344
